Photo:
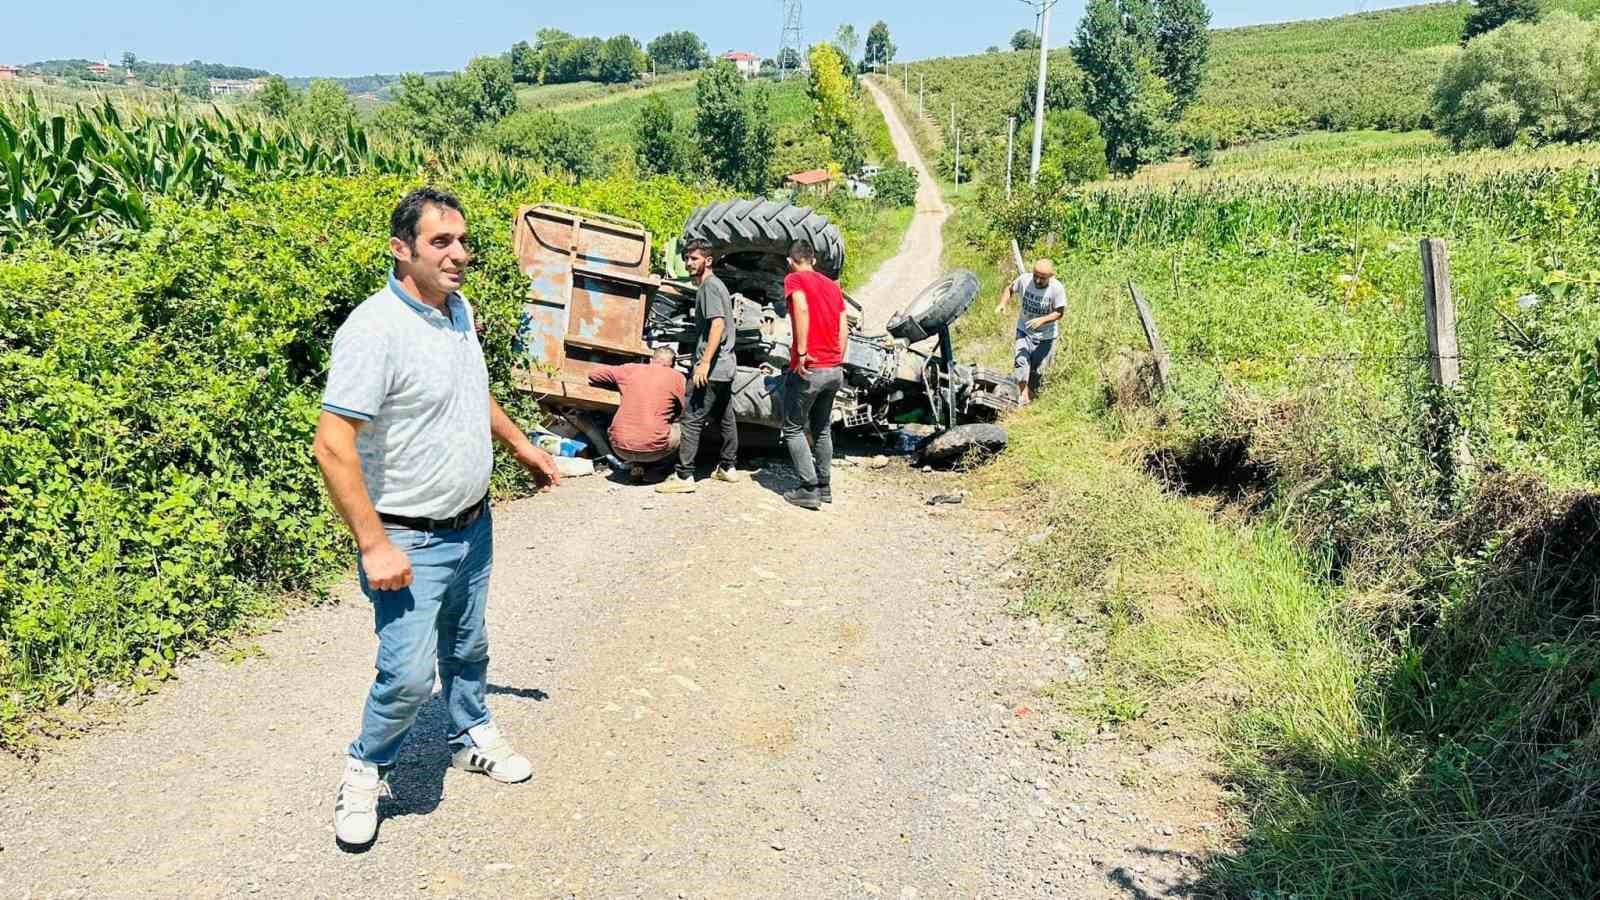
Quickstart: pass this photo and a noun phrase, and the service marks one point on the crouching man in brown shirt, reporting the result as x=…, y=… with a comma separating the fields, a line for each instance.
x=645, y=428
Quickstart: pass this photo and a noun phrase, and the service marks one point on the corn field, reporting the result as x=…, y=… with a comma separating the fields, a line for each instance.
x=91, y=170
x=1230, y=213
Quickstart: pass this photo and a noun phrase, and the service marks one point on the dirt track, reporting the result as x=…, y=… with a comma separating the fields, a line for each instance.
x=917, y=262
x=722, y=696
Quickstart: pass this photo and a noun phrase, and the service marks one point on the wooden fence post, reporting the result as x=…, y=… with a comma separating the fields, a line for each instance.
x=1444, y=350
x=1016, y=256
x=1157, y=349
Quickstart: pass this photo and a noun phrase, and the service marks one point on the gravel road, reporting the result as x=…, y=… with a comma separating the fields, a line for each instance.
x=917, y=262
x=721, y=695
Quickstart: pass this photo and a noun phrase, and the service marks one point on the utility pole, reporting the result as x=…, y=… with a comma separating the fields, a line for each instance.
x=1011, y=131
x=958, y=163
x=1038, y=93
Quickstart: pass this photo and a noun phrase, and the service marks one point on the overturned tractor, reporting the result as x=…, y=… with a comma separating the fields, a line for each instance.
x=593, y=300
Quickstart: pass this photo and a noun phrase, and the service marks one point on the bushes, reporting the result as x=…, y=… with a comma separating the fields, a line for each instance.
x=896, y=185
x=1071, y=152
x=1523, y=82
x=551, y=141
x=156, y=484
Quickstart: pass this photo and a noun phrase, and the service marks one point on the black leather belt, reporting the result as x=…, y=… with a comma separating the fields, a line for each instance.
x=459, y=520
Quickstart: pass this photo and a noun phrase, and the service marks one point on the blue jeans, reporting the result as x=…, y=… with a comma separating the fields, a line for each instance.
x=439, y=618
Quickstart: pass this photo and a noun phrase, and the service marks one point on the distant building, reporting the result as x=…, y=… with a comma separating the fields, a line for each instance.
x=8, y=73
x=235, y=87
x=815, y=181
x=748, y=64
x=99, y=68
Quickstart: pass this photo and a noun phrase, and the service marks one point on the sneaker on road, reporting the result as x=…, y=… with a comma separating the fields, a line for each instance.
x=731, y=476
x=492, y=755
x=825, y=493
x=805, y=498
x=355, y=807
x=676, y=485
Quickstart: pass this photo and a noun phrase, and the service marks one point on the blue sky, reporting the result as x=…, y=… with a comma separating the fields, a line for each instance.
x=357, y=37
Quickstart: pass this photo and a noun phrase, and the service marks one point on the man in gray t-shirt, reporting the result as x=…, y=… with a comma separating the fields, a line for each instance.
x=711, y=378
x=1043, y=303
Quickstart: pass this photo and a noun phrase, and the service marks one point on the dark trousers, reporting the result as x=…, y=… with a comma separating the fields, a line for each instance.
x=710, y=404
x=808, y=423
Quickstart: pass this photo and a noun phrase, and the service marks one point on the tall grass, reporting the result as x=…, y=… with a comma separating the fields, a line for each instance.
x=1398, y=663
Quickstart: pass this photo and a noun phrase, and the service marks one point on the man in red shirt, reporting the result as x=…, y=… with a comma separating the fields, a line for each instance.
x=645, y=428
x=816, y=373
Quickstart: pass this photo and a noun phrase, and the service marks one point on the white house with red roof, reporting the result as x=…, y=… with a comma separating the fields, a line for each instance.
x=748, y=64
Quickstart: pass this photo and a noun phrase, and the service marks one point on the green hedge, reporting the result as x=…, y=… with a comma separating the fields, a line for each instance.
x=157, y=403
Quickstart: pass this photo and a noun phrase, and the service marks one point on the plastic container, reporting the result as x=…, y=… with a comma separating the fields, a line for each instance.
x=556, y=445
x=574, y=468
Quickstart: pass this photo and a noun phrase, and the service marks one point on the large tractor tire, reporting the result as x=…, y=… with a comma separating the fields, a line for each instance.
x=766, y=227
x=963, y=443
x=938, y=306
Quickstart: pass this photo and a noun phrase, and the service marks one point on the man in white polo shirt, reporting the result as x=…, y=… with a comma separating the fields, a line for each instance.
x=404, y=443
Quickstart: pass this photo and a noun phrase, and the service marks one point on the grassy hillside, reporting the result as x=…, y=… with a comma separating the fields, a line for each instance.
x=613, y=118
x=579, y=93
x=1325, y=157
x=1397, y=660
x=1370, y=70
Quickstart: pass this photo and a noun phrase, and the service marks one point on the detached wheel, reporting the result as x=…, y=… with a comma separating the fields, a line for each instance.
x=939, y=305
x=962, y=443
x=767, y=228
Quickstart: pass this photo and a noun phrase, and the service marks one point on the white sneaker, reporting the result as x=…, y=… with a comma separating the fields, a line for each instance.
x=355, y=807
x=492, y=755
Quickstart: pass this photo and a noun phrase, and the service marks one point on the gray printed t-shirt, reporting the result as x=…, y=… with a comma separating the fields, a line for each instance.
x=1036, y=302
x=711, y=300
x=416, y=377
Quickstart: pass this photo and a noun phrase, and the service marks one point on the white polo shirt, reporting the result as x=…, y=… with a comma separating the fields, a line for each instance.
x=417, y=378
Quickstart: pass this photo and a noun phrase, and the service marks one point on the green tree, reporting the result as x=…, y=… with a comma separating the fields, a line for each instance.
x=564, y=59
x=275, y=97
x=761, y=146
x=1491, y=14
x=1063, y=89
x=1073, y=150
x=489, y=84
x=439, y=113
x=848, y=42
x=722, y=121
x=1538, y=83
x=325, y=109
x=880, y=50
x=789, y=59
x=555, y=143
x=129, y=61
x=1024, y=39
x=620, y=60
x=524, y=64
x=829, y=90
x=192, y=82
x=681, y=50
x=656, y=148
x=895, y=185
x=1122, y=87
x=1182, y=44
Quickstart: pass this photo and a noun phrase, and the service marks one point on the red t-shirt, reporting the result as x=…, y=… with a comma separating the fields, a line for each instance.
x=824, y=307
